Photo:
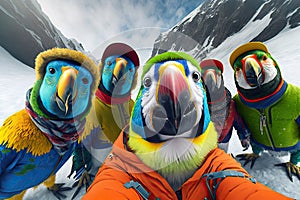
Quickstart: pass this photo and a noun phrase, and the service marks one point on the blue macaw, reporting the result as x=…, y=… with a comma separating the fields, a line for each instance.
x=268, y=104
x=111, y=110
x=36, y=141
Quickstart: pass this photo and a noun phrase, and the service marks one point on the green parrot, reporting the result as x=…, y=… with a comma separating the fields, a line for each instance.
x=268, y=104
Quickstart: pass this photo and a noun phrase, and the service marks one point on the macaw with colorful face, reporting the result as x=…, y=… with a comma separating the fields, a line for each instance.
x=268, y=104
x=169, y=149
x=111, y=109
x=36, y=141
x=221, y=106
x=171, y=118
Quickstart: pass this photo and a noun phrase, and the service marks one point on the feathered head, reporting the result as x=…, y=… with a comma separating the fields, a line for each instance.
x=66, y=81
x=118, y=67
x=170, y=128
x=256, y=73
x=212, y=70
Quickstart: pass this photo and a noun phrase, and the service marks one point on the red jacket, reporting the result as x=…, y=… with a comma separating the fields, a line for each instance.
x=122, y=166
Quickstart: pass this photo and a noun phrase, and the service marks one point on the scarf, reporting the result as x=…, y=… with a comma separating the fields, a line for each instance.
x=62, y=133
x=267, y=100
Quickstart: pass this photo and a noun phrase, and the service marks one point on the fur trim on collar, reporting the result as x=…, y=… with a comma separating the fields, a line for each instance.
x=68, y=54
x=45, y=57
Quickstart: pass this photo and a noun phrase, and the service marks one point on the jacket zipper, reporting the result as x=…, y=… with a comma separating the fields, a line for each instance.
x=263, y=125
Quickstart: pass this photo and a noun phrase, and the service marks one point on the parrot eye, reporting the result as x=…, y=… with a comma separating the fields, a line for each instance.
x=237, y=69
x=131, y=69
x=264, y=57
x=51, y=70
x=85, y=80
x=147, y=82
x=109, y=63
x=196, y=76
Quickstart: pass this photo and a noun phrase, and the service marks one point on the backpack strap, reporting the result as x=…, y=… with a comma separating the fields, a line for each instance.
x=218, y=177
x=138, y=187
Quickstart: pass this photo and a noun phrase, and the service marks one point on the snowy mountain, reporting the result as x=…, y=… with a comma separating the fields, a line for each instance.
x=209, y=25
x=26, y=31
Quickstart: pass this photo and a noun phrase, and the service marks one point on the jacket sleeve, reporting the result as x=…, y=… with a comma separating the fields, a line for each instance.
x=239, y=124
x=107, y=186
x=235, y=188
x=236, y=184
x=7, y=157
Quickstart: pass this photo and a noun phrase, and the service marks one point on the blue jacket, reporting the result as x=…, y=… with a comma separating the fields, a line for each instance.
x=22, y=170
x=27, y=157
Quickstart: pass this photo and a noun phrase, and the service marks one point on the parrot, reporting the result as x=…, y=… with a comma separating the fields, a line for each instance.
x=169, y=148
x=36, y=141
x=221, y=106
x=112, y=106
x=268, y=104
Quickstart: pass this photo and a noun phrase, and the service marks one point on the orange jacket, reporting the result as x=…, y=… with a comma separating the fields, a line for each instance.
x=122, y=166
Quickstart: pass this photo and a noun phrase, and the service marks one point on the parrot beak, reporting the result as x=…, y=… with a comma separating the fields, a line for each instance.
x=175, y=114
x=66, y=92
x=253, y=72
x=214, y=85
x=118, y=70
x=211, y=80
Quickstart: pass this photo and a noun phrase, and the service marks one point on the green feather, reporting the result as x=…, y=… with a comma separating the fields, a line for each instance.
x=169, y=56
x=33, y=99
x=26, y=169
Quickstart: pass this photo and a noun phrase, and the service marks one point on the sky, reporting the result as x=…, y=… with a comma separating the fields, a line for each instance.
x=94, y=22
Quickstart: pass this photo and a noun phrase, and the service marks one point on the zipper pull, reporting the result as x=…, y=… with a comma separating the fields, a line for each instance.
x=264, y=120
x=262, y=123
x=261, y=126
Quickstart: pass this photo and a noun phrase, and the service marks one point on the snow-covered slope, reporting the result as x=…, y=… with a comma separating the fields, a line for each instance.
x=15, y=79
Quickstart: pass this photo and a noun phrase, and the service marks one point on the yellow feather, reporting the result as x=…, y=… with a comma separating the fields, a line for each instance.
x=19, y=132
x=91, y=122
x=140, y=145
x=150, y=153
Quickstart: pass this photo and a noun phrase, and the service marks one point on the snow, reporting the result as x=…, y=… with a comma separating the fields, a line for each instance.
x=16, y=78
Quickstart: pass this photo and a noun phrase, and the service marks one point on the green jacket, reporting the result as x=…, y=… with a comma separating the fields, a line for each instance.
x=274, y=127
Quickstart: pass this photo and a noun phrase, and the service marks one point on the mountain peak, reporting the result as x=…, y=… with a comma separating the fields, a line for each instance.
x=28, y=31
x=214, y=21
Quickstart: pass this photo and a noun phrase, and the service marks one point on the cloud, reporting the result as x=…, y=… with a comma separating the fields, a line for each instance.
x=95, y=22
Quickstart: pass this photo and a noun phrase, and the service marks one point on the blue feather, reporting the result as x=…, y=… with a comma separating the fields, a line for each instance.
x=136, y=119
